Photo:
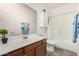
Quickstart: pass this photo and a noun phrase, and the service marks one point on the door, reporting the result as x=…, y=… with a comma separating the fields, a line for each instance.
x=41, y=50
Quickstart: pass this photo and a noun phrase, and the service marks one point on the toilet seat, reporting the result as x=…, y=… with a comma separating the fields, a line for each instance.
x=51, y=42
x=50, y=45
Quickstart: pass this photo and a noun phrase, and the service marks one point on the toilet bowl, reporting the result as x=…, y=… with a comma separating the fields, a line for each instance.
x=50, y=45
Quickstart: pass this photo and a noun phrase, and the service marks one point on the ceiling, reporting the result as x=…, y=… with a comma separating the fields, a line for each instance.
x=39, y=6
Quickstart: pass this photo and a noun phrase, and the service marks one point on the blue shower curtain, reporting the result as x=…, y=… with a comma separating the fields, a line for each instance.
x=75, y=28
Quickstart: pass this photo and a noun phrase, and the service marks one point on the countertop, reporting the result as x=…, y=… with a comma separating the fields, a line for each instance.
x=17, y=42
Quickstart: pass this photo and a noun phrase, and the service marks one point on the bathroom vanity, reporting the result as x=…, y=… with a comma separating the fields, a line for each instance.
x=33, y=46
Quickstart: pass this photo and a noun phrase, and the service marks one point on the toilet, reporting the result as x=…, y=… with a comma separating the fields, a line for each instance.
x=50, y=45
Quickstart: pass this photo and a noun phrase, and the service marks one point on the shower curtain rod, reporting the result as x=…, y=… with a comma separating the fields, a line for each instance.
x=66, y=13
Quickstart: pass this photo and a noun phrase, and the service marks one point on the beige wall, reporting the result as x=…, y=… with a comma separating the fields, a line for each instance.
x=12, y=15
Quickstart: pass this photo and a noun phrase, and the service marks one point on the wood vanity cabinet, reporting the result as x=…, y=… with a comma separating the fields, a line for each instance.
x=35, y=49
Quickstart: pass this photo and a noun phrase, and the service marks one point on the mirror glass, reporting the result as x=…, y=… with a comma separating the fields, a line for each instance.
x=12, y=15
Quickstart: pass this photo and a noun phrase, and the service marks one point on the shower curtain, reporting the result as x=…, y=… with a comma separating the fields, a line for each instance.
x=75, y=28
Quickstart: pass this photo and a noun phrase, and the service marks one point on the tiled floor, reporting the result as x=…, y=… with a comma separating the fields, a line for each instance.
x=61, y=52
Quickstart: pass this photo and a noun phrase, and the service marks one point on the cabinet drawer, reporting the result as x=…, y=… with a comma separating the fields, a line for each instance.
x=28, y=48
x=38, y=43
x=16, y=53
x=30, y=53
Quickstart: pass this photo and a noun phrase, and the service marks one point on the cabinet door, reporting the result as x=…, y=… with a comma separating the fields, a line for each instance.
x=16, y=53
x=41, y=50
